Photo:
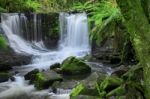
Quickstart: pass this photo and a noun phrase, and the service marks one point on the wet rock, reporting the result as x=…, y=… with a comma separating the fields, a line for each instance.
x=119, y=71
x=55, y=66
x=8, y=59
x=115, y=59
x=75, y=66
x=85, y=97
x=31, y=75
x=45, y=79
x=4, y=77
x=65, y=84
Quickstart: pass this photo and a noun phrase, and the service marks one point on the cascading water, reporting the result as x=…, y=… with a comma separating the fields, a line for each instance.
x=74, y=41
x=74, y=31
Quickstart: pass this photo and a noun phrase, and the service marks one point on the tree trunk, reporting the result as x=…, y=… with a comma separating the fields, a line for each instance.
x=139, y=28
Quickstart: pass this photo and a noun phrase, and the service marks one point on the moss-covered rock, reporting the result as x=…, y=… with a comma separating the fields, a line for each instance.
x=3, y=43
x=4, y=77
x=75, y=66
x=45, y=79
x=106, y=87
x=88, y=86
x=31, y=75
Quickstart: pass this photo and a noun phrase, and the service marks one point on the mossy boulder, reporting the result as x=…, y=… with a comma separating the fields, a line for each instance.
x=45, y=79
x=3, y=43
x=4, y=77
x=87, y=87
x=31, y=75
x=75, y=66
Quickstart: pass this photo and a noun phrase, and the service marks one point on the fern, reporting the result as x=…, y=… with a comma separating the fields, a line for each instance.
x=101, y=14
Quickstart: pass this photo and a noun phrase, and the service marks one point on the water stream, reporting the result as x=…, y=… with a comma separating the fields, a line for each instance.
x=74, y=41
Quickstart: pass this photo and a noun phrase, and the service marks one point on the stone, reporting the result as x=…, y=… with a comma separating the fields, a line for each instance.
x=55, y=66
x=119, y=71
x=87, y=86
x=31, y=75
x=4, y=77
x=45, y=79
x=85, y=97
x=70, y=84
x=75, y=66
x=9, y=58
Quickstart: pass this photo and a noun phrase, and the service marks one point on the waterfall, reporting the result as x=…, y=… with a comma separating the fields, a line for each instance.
x=74, y=32
x=15, y=28
x=74, y=41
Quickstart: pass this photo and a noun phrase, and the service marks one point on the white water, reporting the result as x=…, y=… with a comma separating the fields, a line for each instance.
x=74, y=41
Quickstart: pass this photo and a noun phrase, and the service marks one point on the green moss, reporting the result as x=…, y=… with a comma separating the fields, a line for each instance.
x=40, y=81
x=44, y=80
x=3, y=43
x=139, y=30
x=73, y=65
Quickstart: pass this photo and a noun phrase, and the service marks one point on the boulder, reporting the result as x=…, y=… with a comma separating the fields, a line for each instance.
x=55, y=66
x=45, y=79
x=70, y=84
x=31, y=75
x=4, y=77
x=87, y=86
x=75, y=66
x=8, y=59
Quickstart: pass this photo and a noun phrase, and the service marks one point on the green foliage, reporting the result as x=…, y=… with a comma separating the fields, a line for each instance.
x=104, y=14
x=20, y=5
x=30, y=4
x=76, y=91
x=3, y=43
x=101, y=14
x=2, y=9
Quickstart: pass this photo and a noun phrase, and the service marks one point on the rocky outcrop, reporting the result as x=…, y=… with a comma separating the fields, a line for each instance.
x=105, y=52
x=8, y=59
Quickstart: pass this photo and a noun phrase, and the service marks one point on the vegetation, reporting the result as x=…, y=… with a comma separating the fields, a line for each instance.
x=3, y=43
x=126, y=21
